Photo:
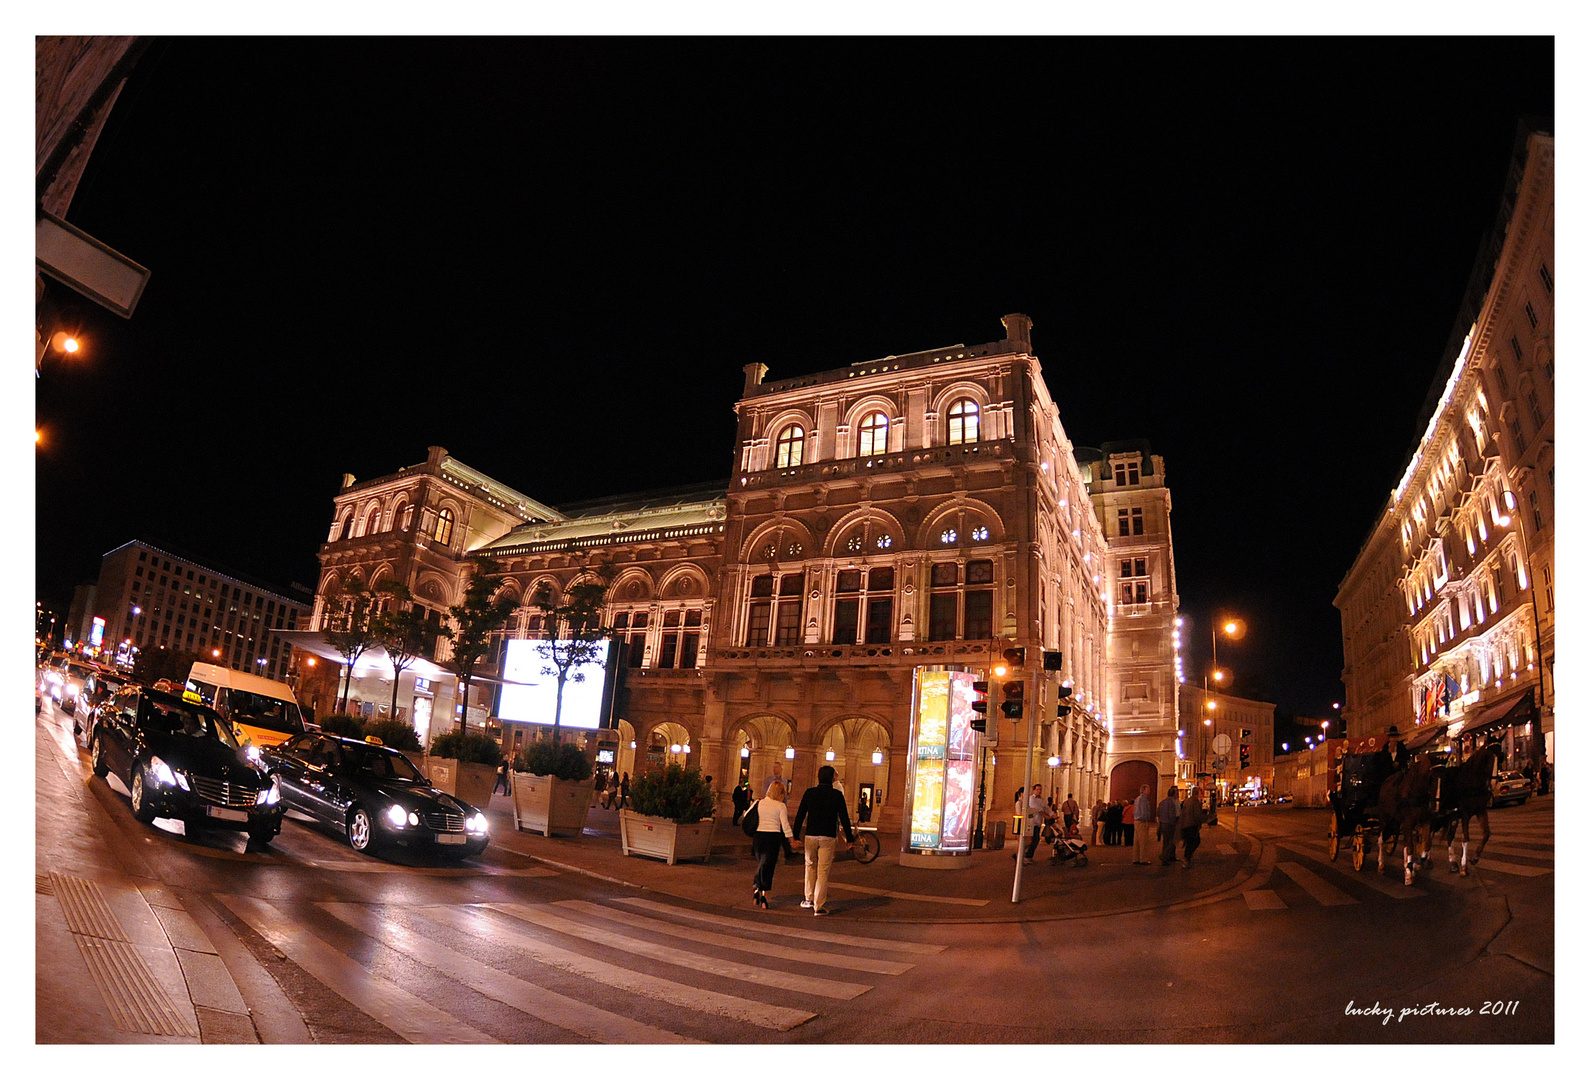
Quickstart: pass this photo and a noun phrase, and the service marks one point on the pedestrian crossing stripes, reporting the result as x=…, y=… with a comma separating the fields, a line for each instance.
x=1314, y=885
x=763, y=974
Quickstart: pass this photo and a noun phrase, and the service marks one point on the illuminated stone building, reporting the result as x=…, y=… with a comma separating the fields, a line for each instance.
x=1448, y=613
x=1208, y=714
x=1132, y=501
x=922, y=509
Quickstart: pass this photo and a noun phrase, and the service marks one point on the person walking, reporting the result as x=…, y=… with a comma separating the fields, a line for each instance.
x=502, y=778
x=741, y=799
x=777, y=777
x=1191, y=819
x=1169, y=819
x=1069, y=813
x=773, y=834
x=817, y=823
x=623, y=792
x=1032, y=822
x=1143, y=812
x=1545, y=778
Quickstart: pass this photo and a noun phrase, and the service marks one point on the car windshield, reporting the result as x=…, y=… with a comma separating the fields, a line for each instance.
x=257, y=710
x=381, y=763
x=185, y=718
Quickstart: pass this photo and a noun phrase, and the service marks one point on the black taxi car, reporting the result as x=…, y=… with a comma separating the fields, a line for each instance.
x=374, y=794
x=179, y=759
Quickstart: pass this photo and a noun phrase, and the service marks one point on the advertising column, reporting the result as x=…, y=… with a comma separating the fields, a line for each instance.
x=941, y=771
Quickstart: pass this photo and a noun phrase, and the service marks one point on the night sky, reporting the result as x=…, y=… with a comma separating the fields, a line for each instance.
x=554, y=256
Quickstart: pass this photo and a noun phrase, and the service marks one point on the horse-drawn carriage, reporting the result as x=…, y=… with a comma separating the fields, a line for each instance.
x=1354, y=803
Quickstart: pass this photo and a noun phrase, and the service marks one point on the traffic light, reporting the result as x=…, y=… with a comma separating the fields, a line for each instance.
x=1014, y=692
x=1247, y=733
x=1062, y=693
x=1243, y=753
x=980, y=705
x=1062, y=711
x=1052, y=660
x=1016, y=657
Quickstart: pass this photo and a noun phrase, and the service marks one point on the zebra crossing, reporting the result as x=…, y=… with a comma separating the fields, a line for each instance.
x=681, y=972
x=1522, y=847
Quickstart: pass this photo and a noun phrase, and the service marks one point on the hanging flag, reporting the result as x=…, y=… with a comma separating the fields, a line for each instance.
x=1450, y=692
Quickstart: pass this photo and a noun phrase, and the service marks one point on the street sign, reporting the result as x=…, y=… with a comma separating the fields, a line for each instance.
x=1222, y=743
x=74, y=258
x=1218, y=763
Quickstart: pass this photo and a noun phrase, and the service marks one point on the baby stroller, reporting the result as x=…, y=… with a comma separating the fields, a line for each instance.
x=1067, y=845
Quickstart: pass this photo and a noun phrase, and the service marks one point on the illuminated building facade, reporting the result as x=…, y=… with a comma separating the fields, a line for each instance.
x=924, y=509
x=1132, y=502
x=152, y=598
x=1248, y=725
x=1449, y=611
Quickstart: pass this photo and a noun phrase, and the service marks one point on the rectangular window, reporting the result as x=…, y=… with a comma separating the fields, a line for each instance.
x=941, y=616
x=847, y=615
x=1545, y=276
x=670, y=647
x=1529, y=310
x=849, y=581
x=980, y=572
x=979, y=614
x=788, y=629
x=761, y=619
x=945, y=574
x=1123, y=518
x=1137, y=521
x=1534, y=410
x=880, y=612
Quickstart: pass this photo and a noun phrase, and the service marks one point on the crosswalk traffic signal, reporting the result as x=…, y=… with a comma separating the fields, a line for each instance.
x=980, y=705
x=1014, y=691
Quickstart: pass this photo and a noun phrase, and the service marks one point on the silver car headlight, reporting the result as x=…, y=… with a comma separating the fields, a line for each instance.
x=165, y=774
x=477, y=824
x=269, y=795
x=397, y=816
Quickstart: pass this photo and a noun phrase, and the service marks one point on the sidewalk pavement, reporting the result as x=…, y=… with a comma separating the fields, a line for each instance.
x=979, y=889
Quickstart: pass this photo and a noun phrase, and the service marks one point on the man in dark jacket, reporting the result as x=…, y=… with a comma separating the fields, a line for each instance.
x=821, y=814
x=742, y=800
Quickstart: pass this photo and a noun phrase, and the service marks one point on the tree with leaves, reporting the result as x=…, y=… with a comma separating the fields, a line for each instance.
x=474, y=622
x=578, y=638
x=403, y=632
x=351, y=609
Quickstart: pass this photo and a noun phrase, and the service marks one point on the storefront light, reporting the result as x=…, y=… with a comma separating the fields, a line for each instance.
x=745, y=751
x=877, y=757
x=828, y=756
x=789, y=753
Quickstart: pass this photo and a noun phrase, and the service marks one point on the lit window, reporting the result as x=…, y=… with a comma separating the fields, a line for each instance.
x=963, y=418
x=874, y=435
x=791, y=447
x=853, y=544
x=885, y=542
x=980, y=533
x=444, y=527
x=948, y=536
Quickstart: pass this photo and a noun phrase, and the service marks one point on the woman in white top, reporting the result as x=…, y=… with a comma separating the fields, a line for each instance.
x=773, y=834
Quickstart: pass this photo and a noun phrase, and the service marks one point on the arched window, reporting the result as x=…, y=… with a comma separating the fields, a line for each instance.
x=963, y=422
x=791, y=446
x=873, y=435
x=372, y=521
x=444, y=527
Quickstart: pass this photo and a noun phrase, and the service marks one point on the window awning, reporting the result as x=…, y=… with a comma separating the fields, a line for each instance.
x=372, y=662
x=1515, y=708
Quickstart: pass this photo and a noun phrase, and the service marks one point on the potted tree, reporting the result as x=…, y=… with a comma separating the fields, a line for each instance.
x=550, y=793
x=671, y=816
x=465, y=766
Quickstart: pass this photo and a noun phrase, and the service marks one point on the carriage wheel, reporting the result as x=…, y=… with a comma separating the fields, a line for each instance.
x=1358, y=848
x=1333, y=841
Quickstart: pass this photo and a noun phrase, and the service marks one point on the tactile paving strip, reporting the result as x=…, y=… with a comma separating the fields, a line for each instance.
x=136, y=1001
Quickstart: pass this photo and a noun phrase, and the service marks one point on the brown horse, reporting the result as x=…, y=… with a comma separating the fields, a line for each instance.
x=1465, y=792
x=1405, y=808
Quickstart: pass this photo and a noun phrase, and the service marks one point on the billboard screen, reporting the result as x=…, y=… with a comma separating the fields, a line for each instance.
x=530, y=686
x=942, y=779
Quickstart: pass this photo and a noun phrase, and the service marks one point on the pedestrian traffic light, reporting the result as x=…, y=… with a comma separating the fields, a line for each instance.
x=980, y=706
x=1013, y=691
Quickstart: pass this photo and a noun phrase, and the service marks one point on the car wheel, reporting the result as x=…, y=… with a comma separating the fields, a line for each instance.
x=140, y=798
x=97, y=756
x=361, y=830
x=263, y=834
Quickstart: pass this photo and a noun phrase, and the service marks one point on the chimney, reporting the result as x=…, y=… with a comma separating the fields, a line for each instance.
x=1018, y=331
x=754, y=374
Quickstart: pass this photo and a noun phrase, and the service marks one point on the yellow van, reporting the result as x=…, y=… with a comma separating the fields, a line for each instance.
x=262, y=711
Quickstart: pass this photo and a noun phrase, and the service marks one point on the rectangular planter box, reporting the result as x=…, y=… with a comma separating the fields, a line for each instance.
x=665, y=838
x=550, y=806
x=464, y=780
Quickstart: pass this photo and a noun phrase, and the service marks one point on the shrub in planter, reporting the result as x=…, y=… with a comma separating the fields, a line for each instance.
x=398, y=734
x=343, y=724
x=672, y=792
x=565, y=761
x=468, y=748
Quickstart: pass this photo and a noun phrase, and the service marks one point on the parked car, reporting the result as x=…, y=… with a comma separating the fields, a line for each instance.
x=1511, y=787
x=373, y=794
x=179, y=759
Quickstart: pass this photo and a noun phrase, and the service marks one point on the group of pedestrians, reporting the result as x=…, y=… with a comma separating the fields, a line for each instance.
x=612, y=791
x=815, y=830
x=1179, y=819
x=1114, y=824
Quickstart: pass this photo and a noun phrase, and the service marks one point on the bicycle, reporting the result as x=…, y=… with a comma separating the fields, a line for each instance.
x=866, y=846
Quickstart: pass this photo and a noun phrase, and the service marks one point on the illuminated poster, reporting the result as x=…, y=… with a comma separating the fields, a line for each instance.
x=943, y=777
